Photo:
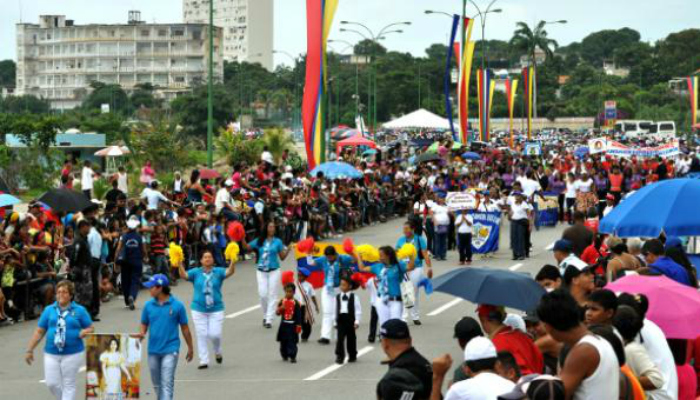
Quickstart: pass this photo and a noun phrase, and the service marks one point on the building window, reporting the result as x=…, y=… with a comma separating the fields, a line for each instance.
x=178, y=32
x=145, y=33
x=162, y=32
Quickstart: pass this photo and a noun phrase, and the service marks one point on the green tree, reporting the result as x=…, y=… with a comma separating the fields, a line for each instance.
x=160, y=141
x=237, y=149
x=277, y=141
x=24, y=104
x=528, y=40
x=143, y=97
x=8, y=71
x=190, y=110
x=111, y=94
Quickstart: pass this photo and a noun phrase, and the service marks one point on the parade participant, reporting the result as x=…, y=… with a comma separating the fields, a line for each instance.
x=131, y=251
x=506, y=338
x=520, y=214
x=207, y=305
x=332, y=264
x=570, y=197
x=591, y=370
x=411, y=237
x=585, y=193
x=398, y=347
x=290, y=324
x=65, y=324
x=347, y=321
x=306, y=296
x=161, y=317
x=270, y=251
x=390, y=273
x=464, y=224
x=374, y=317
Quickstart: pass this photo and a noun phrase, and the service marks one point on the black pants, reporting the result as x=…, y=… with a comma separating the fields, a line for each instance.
x=373, y=321
x=465, y=247
x=88, y=193
x=346, y=333
x=305, y=325
x=570, y=203
x=288, y=338
x=518, y=237
x=95, y=267
x=562, y=206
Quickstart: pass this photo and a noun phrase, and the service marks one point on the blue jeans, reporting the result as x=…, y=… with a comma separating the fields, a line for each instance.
x=441, y=245
x=162, y=368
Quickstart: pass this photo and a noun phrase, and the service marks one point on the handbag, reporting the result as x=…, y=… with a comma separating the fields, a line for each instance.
x=408, y=295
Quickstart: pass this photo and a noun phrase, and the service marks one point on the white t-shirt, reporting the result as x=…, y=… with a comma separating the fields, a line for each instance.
x=655, y=343
x=153, y=198
x=464, y=223
x=520, y=210
x=583, y=186
x=440, y=215
x=530, y=187
x=86, y=178
x=122, y=182
x=570, y=192
x=267, y=157
x=223, y=197
x=484, y=386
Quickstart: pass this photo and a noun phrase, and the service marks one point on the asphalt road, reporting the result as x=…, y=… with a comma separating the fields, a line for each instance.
x=252, y=366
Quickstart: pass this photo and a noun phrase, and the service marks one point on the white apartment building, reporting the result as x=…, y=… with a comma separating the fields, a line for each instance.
x=57, y=60
x=248, y=27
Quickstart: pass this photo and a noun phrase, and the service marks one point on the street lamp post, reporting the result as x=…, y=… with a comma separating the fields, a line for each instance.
x=372, y=108
x=295, y=66
x=210, y=89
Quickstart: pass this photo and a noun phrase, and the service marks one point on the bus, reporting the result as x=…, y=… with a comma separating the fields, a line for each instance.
x=663, y=130
x=633, y=129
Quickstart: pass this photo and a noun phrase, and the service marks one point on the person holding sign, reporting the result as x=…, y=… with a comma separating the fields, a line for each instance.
x=390, y=274
x=411, y=237
x=208, y=305
x=65, y=324
x=270, y=251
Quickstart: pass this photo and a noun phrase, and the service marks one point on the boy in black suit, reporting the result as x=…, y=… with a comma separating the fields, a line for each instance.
x=347, y=320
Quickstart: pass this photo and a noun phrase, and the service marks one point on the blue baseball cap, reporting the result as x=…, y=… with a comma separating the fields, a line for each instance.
x=157, y=280
x=563, y=245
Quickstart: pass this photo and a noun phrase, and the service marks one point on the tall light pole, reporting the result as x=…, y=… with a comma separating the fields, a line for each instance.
x=210, y=89
x=372, y=108
x=295, y=62
x=534, y=65
x=482, y=16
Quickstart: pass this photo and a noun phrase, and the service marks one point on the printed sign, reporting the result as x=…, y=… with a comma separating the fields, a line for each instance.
x=533, y=149
x=670, y=149
x=486, y=232
x=456, y=201
x=113, y=369
x=598, y=145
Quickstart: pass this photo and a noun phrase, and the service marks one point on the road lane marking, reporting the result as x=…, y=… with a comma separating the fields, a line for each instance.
x=245, y=311
x=444, y=307
x=336, y=367
x=549, y=247
x=516, y=267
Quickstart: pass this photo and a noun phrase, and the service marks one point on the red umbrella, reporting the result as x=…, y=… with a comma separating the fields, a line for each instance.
x=207, y=173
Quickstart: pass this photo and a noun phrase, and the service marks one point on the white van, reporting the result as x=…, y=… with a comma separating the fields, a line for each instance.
x=663, y=130
x=633, y=129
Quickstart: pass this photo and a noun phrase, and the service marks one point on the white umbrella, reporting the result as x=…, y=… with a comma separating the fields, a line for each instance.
x=113, y=151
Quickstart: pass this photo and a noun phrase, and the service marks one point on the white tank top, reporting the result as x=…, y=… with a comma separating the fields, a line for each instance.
x=604, y=383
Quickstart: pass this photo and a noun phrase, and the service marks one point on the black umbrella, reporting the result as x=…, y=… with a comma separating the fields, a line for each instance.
x=427, y=157
x=65, y=200
x=491, y=286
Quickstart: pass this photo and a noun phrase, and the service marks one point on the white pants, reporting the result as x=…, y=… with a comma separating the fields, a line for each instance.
x=208, y=327
x=415, y=276
x=60, y=373
x=329, y=309
x=390, y=310
x=268, y=284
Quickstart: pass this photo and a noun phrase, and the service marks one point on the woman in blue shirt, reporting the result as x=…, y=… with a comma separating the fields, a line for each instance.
x=390, y=273
x=65, y=324
x=270, y=251
x=208, y=305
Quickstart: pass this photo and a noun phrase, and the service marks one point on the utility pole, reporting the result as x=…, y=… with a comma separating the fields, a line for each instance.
x=210, y=89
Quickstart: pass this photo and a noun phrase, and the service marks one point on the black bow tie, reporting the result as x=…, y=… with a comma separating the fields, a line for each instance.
x=345, y=297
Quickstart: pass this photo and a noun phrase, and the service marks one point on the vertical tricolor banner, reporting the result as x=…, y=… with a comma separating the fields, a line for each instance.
x=448, y=73
x=319, y=15
x=693, y=94
x=486, y=86
x=465, y=70
x=528, y=76
x=511, y=90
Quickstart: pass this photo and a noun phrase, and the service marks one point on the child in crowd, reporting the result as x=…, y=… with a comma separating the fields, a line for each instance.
x=347, y=320
x=290, y=325
x=372, y=287
x=306, y=296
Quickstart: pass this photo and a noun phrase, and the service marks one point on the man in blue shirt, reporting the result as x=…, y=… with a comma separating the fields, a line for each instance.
x=658, y=263
x=331, y=263
x=161, y=317
x=421, y=245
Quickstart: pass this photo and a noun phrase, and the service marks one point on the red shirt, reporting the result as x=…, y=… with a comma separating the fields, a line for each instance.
x=527, y=355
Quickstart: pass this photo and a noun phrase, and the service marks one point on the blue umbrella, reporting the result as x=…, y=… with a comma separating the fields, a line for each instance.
x=581, y=152
x=496, y=287
x=337, y=170
x=670, y=206
x=470, y=155
x=8, y=200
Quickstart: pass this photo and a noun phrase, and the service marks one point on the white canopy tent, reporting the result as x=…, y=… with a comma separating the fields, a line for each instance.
x=419, y=119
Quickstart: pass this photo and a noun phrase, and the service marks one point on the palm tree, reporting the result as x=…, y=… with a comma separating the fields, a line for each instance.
x=277, y=141
x=528, y=40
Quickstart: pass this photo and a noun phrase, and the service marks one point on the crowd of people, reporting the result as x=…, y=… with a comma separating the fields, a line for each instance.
x=584, y=338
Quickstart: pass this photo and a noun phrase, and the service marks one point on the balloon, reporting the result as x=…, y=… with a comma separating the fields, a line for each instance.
x=408, y=250
x=235, y=231
x=368, y=253
x=348, y=246
x=306, y=246
x=287, y=277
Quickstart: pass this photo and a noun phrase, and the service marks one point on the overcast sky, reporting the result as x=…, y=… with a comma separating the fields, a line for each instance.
x=653, y=19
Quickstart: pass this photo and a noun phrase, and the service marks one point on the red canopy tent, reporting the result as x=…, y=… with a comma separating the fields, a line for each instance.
x=355, y=141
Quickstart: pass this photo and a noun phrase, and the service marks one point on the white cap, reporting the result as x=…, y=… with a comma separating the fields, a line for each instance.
x=228, y=182
x=133, y=223
x=479, y=348
x=515, y=321
x=288, y=168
